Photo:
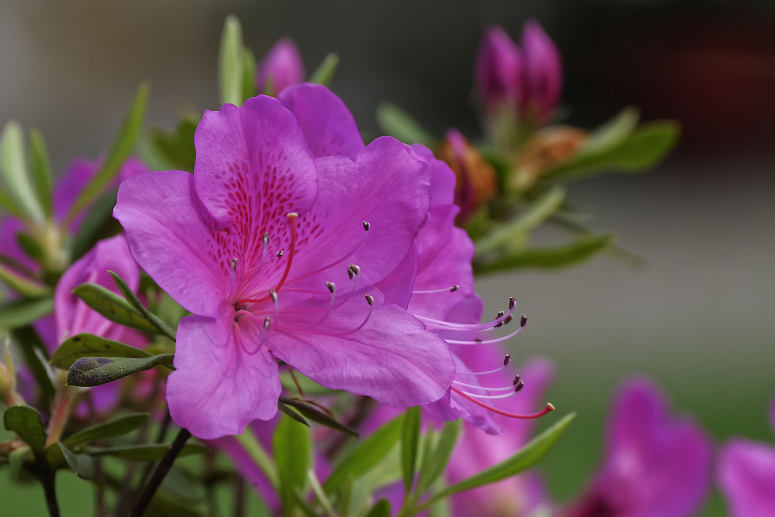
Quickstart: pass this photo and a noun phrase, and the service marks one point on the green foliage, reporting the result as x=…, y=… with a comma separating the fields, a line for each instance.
x=153, y=452
x=292, y=451
x=89, y=345
x=410, y=441
x=130, y=296
x=94, y=371
x=380, y=509
x=23, y=311
x=119, y=151
x=113, y=307
x=176, y=147
x=324, y=73
x=25, y=421
x=22, y=199
x=435, y=459
x=398, y=123
x=22, y=284
x=317, y=415
x=41, y=173
x=116, y=427
x=81, y=464
x=548, y=257
x=96, y=224
x=231, y=62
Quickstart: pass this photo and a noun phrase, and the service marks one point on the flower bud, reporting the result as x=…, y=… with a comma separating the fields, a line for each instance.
x=475, y=178
x=498, y=71
x=546, y=149
x=281, y=67
x=542, y=72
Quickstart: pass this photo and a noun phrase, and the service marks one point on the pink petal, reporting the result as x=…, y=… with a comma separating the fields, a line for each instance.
x=746, y=473
x=498, y=70
x=217, y=388
x=281, y=67
x=327, y=124
x=543, y=69
x=166, y=231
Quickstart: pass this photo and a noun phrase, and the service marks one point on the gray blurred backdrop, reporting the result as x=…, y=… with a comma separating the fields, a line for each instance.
x=698, y=317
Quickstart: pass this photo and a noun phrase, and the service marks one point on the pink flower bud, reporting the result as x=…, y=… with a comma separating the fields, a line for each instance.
x=542, y=71
x=498, y=72
x=281, y=67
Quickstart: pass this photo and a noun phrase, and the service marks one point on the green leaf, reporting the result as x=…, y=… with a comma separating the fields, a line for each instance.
x=410, y=439
x=516, y=231
x=177, y=147
x=365, y=455
x=317, y=415
x=30, y=247
x=522, y=460
x=613, y=132
x=94, y=226
x=94, y=371
x=23, y=311
x=546, y=258
x=25, y=421
x=89, y=345
x=380, y=509
x=639, y=151
x=122, y=147
x=292, y=413
x=116, y=427
x=248, y=74
x=13, y=171
x=20, y=283
x=16, y=460
x=34, y=351
x=81, y=464
x=112, y=306
x=42, y=175
x=398, y=123
x=293, y=456
x=435, y=461
x=153, y=452
x=130, y=296
x=324, y=73
x=230, y=62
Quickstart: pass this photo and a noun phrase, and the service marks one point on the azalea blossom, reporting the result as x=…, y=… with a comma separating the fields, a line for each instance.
x=278, y=244
x=746, y=474
x=655, y=465
x=280, y=68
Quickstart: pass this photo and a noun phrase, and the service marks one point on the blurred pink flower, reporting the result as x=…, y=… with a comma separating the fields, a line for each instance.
x=280, y=68
x=746, y=474
x=277, y=244
x=655, y=465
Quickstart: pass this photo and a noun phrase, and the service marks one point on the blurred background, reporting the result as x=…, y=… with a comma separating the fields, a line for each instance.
x=697, y=317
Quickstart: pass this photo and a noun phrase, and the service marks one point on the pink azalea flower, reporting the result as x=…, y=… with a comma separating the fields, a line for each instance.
x=280, y=68
x=74, y=317
x=746, y=474
x=527, y=80
x=655, y=465
x=277, y=244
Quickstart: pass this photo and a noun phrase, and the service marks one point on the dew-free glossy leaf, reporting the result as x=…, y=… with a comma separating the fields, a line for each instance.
x=26, y=423
x=112, y=306
x=81, y=464
x=132, y=298
x=89, y=345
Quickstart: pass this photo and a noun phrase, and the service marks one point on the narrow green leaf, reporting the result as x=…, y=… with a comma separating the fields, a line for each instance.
x=292, y=413
x=42, y=175
x=16, y=460
x=96, y=224
x=34, y=351
x=117, y=427
x=230, y=62
x=522, y=460
x=410, y=439
x=317, y=415
x=30, y=247
x=26, y=423
x=132, y=298
x=23, y=311
x=8, y=204
x=256, y=452
x=435, y=461
x=89, y=345
x=320, y=494
x=293, y=456
x=398, y=123
x=112, y=306
x=324, y=73
x=20, y=283
x=94, y=371
x=177, y=147
x=546, y=258
x=13, y=171
x=612, y=132
x=365, y=455
x=151, y=452
x=380, y=509
x=81, y=464
x=248, y=74
x=122, y=147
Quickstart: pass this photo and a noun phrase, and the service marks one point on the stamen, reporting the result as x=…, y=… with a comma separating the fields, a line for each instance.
x=331, y=287
x=353, y=270
x=333, y=263
x=469, y=327
x=486, y=341
x=264, y=245
x=506, y=359
x=499, y=316
x=280, y=253
x=480, y=387
x=366, y=225
x=519, y=386
x=451, y=289
x=516, y=380
x=547, y=409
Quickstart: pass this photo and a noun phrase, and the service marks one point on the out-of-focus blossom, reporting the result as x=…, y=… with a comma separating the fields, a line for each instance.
x=280, y=68
x=277, y=244
x=546, y=149
x=518, y=496
x=475, y=178
x=655, y=465
x=746, y=474
x=525, y=81
x=74, y=317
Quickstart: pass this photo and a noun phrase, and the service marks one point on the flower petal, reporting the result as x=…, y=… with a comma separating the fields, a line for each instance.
x=391, y=359
x=746, y=473
x=327, y=124
x=281, y=67
x=167, y=234
x=217, y=388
